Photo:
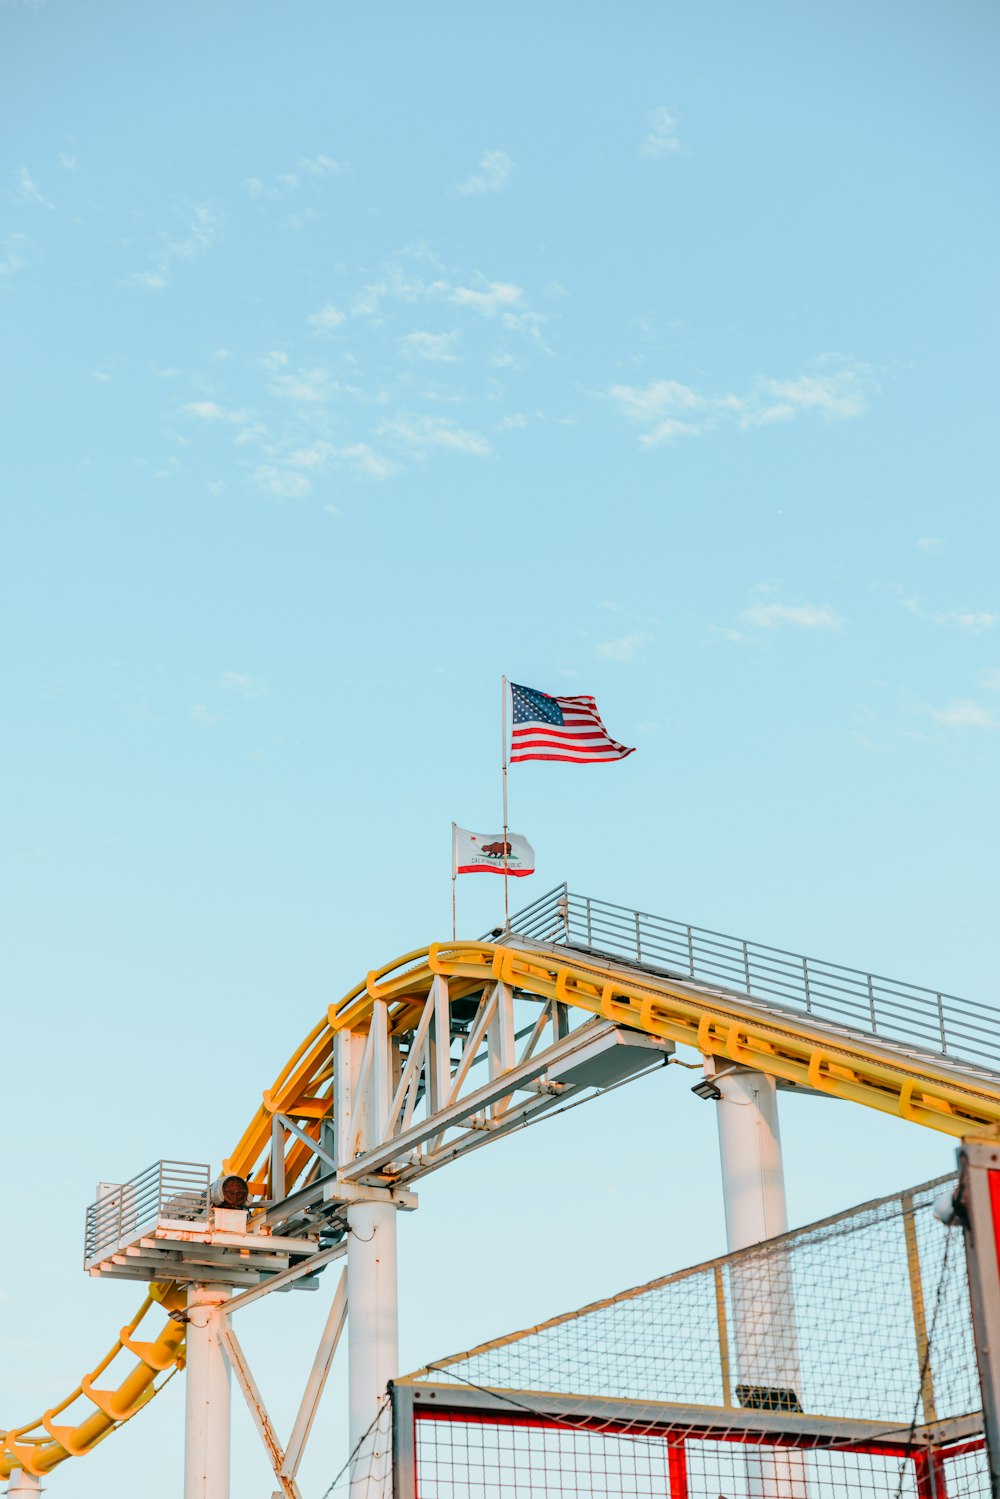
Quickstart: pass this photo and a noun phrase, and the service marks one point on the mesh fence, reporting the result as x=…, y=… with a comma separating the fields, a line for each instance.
x=481, y=1459
x=836, y=1360
x=837, y=1315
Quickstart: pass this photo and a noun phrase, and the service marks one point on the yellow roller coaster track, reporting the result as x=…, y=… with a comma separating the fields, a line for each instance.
x=958, y=1099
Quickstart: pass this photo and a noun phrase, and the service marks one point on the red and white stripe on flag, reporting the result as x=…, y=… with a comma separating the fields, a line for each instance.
x=559, y=728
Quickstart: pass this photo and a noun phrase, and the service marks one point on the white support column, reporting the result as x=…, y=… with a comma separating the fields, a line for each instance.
x=753, y=1182
x=23, y=1483
x=207, y=1407
x=762, y=1305
x=372, y=1316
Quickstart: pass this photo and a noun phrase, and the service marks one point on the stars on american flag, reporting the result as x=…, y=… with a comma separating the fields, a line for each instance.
x=534, y=707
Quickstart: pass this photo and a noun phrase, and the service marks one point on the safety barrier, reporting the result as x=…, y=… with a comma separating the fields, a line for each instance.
x=834, y=1361
x=880, y=1006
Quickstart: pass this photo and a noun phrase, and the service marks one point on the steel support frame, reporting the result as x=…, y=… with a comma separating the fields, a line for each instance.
x=413, y=1400
x=397, y=1120
x=978, y=1201
x=285, y=1461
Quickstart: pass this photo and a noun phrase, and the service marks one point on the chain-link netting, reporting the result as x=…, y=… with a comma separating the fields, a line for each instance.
x=832, y=1319
x=459, y=1458
x=837, y=1360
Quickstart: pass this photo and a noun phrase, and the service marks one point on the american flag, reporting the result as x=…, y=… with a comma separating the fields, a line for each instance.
x=559, y=728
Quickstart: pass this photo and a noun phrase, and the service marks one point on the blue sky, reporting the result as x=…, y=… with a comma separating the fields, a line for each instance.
x=357, y=355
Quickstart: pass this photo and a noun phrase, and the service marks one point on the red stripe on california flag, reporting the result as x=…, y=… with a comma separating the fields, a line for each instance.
x=515, y=874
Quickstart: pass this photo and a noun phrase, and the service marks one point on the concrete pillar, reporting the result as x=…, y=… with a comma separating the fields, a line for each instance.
x=207, y=1407
x=372, y=1318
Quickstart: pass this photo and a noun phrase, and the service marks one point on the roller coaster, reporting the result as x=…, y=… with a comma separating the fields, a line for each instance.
x=447, y=1048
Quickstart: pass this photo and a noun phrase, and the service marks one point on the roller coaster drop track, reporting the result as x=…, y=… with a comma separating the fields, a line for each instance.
x=568, y=982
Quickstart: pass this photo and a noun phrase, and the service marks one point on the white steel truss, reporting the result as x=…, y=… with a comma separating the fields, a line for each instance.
x=469, y=1070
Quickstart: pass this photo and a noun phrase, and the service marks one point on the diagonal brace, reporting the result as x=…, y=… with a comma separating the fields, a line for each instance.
x=262, y=1421
x=316, y=1382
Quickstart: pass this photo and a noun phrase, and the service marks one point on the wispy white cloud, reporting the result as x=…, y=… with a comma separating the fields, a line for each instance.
x=498, y=296
x=201, y=713
x=965, y=714
x=323, y=166
x=29, y=190
x=973, y=620
x=492, y=175
x=366, y=461
x=202, y=229
x=661, y=134
x=420, y=433
x=440, y=348
x=801, y=616
x=242, y=684
x=967, y=619
x=67, y=161
x=283, y=184
x=211, y=411
x=668, y=409
x=283, y=482
x=100, y=376
x=319, y=456
x=316, y=456
x=327, y=319
x=841, y=394
x=249, y=429
x=10, y=261
x=626, y=648
x=395, y=283
x=306, y=385
x=151, y=280
x=930, y=543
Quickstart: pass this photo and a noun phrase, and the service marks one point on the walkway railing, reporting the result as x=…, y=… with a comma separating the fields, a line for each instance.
x=959, y=1029
x=168, y=1189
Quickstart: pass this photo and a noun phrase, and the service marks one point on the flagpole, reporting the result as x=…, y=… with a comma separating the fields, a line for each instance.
x=506, y=872
x=454, y=880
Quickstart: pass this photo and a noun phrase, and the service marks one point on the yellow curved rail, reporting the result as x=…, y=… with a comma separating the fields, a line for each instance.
x=800, y=1050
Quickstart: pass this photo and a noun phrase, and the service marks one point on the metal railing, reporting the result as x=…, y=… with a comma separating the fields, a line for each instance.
x=168, y=1189
x=907, y=1014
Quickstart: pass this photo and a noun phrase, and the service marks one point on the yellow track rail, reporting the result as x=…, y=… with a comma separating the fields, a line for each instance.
x=824, y=1057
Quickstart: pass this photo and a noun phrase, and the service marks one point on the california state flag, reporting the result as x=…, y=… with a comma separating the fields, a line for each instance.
x=483, y=853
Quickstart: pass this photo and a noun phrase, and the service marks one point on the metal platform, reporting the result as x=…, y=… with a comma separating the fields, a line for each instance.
x=161, y=1226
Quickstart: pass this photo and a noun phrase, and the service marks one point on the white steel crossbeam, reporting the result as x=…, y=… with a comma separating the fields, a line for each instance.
x=262, y=1421
x=484, y=1109
x=316, y=1382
